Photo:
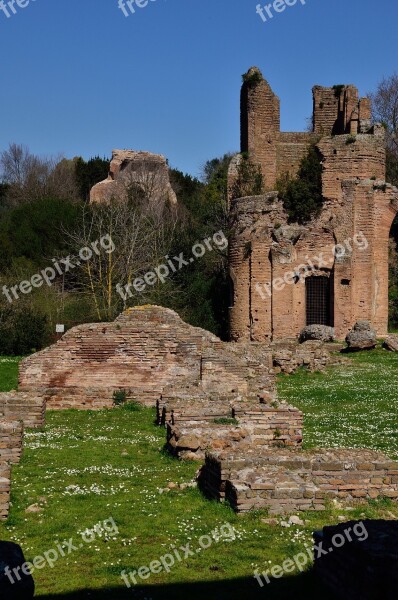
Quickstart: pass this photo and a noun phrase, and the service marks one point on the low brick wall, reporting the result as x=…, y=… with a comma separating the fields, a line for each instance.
x=291, y=479
x=11, y=436
x=27, y=406
x=289, y=355
x=360, y=570
x=188, y=408
x=77, y=398
x=193, y=426
x=278, y=425
x=5, y=488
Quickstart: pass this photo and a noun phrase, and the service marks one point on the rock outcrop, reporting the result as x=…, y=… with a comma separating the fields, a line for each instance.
x=362, y=337
x=391, y=343
x=322, y=333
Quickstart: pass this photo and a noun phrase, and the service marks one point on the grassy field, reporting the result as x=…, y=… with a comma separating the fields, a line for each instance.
x=86, y=468
x=8, y=373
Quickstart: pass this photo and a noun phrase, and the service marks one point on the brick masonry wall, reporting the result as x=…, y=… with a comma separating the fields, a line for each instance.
x=291, y=149
x=264, y=248
x=5, y=488
x=29, y=407
x=355, y=201
x=11, y=436
x=260, y=126
x=145, y=351
x=196, y=424
x=289, y=480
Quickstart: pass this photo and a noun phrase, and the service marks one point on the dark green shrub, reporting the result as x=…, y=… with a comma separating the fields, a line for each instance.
x=132, y=406
x=249, y=180
x=252, y=77
x=351, y=139
x=22, y=331
x=302, y=197
x=119, y=397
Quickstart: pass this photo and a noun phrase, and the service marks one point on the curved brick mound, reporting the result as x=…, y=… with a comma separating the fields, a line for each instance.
x=145, y=351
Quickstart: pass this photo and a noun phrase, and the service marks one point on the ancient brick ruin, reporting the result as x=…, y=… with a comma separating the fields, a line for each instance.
x=216, y=400
x=17, y=411
x=131, y=172
x=342, y=287
x=294, y=479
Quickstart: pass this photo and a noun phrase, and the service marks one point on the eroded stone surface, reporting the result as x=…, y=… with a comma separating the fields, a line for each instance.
x=322, y=333
x=362, y=336
x=391, y=343
x=129, y=169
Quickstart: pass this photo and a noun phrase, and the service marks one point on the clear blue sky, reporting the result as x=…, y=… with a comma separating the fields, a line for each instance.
x=80, y=78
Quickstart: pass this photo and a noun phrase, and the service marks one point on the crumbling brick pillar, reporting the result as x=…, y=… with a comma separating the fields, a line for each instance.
x=260, y=124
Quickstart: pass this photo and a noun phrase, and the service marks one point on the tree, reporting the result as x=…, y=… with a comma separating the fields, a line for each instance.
x=31, y=178
x=139, y=235
x=385, y=111
x=302, y=196
x=249, y=179
x=89, y=173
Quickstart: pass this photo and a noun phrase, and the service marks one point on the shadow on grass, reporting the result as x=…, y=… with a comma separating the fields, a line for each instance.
x=302, y=587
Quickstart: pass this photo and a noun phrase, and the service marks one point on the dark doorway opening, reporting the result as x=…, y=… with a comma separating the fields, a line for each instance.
x=319, y=300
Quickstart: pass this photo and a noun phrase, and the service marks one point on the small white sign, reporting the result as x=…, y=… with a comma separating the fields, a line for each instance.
x=59, y=328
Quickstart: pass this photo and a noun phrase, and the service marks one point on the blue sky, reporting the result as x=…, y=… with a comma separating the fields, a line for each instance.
x=80, y=78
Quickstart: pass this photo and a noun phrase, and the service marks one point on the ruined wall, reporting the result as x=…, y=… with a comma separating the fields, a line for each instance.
x=291, y=149
x=339, y=110
x=287, y=480
x=143, y=170
x=271, y=258
x=27, y=407
x=144, y=351
x=11, y=435
x=260, y=125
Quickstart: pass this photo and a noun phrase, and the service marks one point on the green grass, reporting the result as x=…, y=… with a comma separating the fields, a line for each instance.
x=353, y=405
x=8, y=373
x=87, y=467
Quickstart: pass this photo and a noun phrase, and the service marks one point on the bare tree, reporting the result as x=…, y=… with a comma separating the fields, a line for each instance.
x=30, y=178
x=385, y=109
x=138, y=236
